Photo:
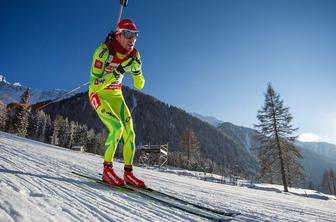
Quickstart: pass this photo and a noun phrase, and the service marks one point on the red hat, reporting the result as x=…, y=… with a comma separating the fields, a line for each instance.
x=126, y=24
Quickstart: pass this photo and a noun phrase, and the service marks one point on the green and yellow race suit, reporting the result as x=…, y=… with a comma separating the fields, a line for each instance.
x=107, y=99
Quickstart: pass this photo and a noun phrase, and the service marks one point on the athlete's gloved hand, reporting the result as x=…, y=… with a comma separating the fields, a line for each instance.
x=132, y=65
x=136, y=66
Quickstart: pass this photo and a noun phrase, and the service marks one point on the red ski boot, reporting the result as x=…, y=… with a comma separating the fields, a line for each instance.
x=110, y=176
x=130, y=179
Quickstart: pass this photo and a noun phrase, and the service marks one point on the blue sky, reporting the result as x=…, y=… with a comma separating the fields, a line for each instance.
x=213, y=57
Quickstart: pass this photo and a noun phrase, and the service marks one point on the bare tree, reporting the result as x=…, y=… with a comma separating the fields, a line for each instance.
x=328, y=182
x=189, y=142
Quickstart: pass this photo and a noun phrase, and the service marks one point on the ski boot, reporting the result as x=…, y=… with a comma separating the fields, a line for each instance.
x=130, y=179
x=110, y=176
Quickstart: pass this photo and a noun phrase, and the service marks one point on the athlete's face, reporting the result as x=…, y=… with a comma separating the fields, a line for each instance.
x=126, y=43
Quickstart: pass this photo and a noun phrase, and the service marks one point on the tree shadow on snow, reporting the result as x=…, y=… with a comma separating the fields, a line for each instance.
x=312, y=195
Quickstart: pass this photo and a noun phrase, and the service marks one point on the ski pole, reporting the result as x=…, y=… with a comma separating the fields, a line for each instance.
x=62, y=96
x=123, y=3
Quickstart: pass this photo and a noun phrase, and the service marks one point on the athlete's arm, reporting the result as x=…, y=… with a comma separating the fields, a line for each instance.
x=138, y=78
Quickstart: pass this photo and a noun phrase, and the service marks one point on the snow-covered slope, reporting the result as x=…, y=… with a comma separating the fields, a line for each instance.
x=12, y=92
x=36, y=184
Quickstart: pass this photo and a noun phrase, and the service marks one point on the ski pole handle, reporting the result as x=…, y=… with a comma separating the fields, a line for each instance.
x=123, y=3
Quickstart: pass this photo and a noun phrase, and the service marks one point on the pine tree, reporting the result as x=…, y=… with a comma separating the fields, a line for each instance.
x=64, y=133
x=48, y=130
x=84, y=135
x=31, y=129
x=56, y=130
x=274, y=128
x=40, y=125
x=100, y=142
x=20, y=121
x=91, y=141
x=72, y=127
x=76, y=134
x=3, y=116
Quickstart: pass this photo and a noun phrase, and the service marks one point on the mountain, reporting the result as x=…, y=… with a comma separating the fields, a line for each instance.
x=156, y=122
x=209, y=119
x=12, y=92
x=318, y=156
x=243, y=135
x=327, y=150
x=37, y=185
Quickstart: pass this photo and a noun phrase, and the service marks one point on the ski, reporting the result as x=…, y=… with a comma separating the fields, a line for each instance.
x=154, y=195
x=229, y=214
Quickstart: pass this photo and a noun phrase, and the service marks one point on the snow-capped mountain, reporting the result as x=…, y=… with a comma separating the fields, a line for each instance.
x=12, y=92
x=209, y=119
x=36, y=184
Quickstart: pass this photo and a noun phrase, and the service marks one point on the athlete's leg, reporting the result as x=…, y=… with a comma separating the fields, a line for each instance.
x=127, y=133
x=106, y=113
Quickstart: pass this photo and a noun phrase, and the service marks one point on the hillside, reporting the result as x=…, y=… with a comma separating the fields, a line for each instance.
x=36, y=184
x=156, y=122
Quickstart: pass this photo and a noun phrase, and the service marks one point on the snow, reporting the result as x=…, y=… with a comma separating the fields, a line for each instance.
x=3, y=79
x=17, y=84
x=36, y=184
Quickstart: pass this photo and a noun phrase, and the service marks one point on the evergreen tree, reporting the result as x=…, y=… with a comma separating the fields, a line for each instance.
x=64, y=133
x=20, y=121
x=40, y=126
x=275, y=127
x=76, y=134
x=100, y=142
x=91, y=141
x=48, y=130
x=72, y=128
x=83, y=135
x=56, y=130
x=31, y=129
x=3, y=116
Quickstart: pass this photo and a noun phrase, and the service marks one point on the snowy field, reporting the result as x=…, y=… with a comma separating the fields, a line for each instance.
x=36, y=184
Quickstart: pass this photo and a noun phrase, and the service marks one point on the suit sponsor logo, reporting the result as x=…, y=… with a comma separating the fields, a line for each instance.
x=95, y=102
x=98, y=64
x=114, y=86
x=99, y=81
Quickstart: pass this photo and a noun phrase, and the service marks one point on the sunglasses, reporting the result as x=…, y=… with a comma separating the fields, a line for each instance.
x=129, y=34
